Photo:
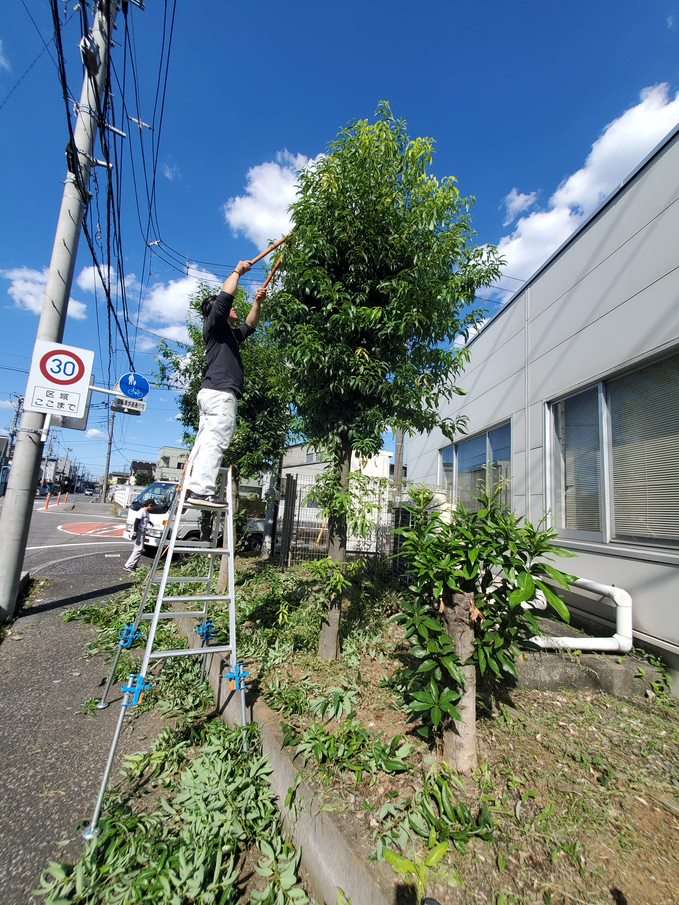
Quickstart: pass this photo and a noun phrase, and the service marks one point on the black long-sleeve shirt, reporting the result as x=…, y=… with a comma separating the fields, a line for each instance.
x=224, y=368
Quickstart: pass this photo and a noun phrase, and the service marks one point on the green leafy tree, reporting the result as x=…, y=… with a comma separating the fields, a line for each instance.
x=470, y=576
x=380, y=275
x=264, y=412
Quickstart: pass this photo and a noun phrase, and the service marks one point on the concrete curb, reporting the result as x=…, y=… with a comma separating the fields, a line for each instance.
x=330, y=858
x=622, y=676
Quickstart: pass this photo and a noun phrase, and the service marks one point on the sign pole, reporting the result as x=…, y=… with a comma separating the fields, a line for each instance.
x=17, y=508
x=111, y=428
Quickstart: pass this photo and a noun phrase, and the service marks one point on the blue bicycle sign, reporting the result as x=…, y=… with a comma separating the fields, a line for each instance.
x=134, y=386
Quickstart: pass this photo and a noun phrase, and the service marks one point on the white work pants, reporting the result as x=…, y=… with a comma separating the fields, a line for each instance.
x=135, y=555
x=217, y=423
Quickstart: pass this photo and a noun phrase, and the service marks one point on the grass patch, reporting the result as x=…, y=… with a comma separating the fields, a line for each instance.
x=195, y=815
x=575, y=799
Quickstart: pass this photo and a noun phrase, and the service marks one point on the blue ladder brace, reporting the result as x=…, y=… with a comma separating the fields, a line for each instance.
x=237, y=678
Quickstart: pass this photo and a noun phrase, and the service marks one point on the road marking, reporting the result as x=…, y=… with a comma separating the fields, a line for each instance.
x=92, y=543
x=96, y=529
x=116, y=518
x=56, y=562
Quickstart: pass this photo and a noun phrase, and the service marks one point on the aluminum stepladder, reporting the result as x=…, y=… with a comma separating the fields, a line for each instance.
x=137, y=683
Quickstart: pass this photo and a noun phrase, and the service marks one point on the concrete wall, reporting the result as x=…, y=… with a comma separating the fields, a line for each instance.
x=607, y=301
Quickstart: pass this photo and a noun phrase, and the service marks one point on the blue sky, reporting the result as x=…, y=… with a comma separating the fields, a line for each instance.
x=539, y=110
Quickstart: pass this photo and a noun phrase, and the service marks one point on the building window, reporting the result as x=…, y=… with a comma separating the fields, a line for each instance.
x=312, y=456
x=578, y=463
x=478, y=464
x=616, y=458
x=448, y=466
x=644, y=463
x=471, y=471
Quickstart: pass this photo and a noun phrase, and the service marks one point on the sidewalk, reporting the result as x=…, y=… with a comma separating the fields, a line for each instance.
x=52, y=754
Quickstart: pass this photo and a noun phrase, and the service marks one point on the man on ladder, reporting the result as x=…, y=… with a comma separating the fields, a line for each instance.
x=222, y=387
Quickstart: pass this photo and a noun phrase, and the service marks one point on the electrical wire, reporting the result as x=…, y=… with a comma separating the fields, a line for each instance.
x=45, y=44
x=76, y=170
x=34, y=62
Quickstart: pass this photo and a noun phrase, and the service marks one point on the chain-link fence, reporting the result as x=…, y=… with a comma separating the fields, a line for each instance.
x=301, y=530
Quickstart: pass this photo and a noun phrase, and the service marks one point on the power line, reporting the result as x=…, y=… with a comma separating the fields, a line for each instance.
x=45, y=44
x=74, y=163
x=33, y=62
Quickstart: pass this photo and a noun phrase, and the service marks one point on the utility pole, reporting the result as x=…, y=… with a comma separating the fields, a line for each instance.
x=18, y=505
x=15, y=425
x=111, y=427
x=398, y=459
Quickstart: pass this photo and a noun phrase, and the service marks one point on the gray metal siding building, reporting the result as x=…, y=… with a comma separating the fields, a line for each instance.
x=573, y=396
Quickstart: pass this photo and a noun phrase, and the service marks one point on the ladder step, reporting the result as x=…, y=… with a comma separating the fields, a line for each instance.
x=209, y=551
x=191, y=651
x=197, y=598
x=181, y=579
x=147, y=617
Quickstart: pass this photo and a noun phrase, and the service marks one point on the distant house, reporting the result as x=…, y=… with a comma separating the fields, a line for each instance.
x=171, y=462
x=117, y=477
x=303, y=459
x=572, y=396
x=141, y=473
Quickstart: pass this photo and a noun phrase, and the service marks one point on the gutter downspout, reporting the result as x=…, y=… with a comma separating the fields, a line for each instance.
x=620, y=642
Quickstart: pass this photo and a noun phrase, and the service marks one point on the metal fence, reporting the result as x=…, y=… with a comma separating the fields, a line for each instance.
x=301, y=531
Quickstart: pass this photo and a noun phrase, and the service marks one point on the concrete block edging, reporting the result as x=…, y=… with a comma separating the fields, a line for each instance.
x=330, y=859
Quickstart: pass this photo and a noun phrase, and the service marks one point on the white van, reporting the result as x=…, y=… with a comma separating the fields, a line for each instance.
x=162, y=493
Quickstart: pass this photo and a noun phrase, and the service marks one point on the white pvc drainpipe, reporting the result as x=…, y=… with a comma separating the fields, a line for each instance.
x=620, y=642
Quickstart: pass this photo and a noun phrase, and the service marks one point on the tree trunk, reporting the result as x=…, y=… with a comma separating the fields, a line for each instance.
x=459, y=741
x=271, y=514
x=328, y=644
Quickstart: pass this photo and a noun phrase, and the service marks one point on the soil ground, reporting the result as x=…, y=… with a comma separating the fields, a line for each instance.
x=583, y=788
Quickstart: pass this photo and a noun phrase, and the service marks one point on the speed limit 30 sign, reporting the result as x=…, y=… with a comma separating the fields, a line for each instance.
x=59, y=381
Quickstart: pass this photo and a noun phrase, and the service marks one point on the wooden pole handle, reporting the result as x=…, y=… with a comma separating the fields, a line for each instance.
x=272, y=274
x=267, y=251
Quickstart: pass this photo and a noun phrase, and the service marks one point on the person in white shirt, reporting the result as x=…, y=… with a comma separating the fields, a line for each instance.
x=141, y=524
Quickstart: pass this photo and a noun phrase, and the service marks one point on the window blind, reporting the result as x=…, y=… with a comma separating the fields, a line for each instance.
x=579, y=462
x=644, y=409
x=500, y=444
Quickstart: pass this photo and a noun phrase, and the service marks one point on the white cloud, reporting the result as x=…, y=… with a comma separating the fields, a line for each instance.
x=516, y=203
x=7, y=405
x=27, y=290
x=165, y=307
x=171, y=172
x=146, y=344
x=671, y=22
x=4, y=60
x=168, y=303
x=623, y=143
x=88, y=279
x=177, y=332
x=263, y=212
x=535, y=237
x=95, y=434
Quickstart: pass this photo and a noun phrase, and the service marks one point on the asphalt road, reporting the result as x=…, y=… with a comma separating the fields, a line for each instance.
x=52, y=750
x=77, y=529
